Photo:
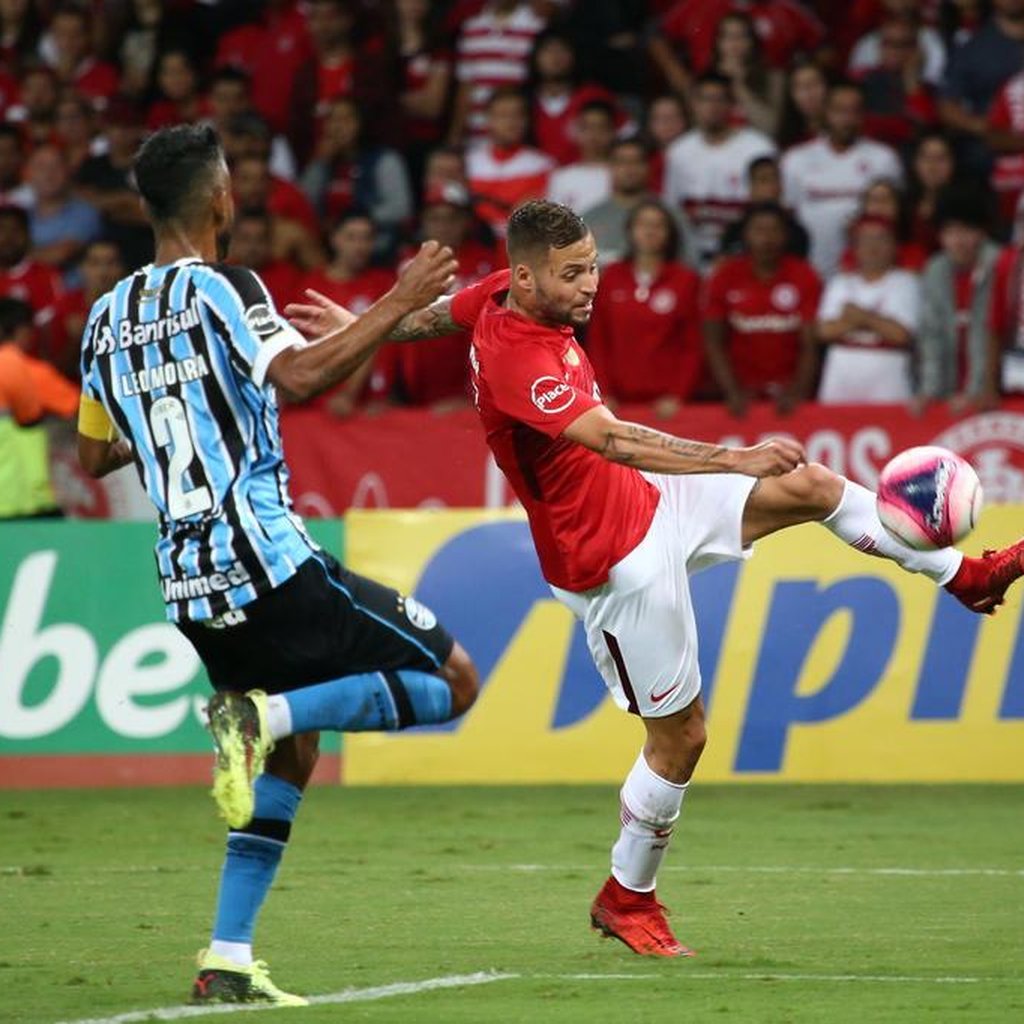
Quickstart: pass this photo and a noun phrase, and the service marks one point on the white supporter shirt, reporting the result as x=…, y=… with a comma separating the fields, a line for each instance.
x=861, y=367
x=709, y=182
x=823, y=187
x=580, y=186
x=493, y=51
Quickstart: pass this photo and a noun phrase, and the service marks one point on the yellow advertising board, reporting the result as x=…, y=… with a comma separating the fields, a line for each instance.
x=819, y=664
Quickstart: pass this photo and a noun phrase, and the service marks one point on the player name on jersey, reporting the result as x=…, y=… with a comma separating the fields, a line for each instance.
x=130, y=332
x=165, y=375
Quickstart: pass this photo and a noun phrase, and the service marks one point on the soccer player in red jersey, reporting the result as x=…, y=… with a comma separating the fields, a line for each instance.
x=621, y=515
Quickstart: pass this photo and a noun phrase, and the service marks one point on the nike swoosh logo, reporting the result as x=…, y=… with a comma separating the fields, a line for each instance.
x=657, y=698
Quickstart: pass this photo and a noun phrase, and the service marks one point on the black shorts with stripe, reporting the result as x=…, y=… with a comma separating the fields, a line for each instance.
x=323, y=623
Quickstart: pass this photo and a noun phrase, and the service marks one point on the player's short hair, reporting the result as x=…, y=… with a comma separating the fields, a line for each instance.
x=175, y=170
x=14, y=314
x=758, y=162
x=540, y=225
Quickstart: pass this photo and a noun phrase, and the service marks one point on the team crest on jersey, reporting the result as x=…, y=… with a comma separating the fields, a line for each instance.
x=418, y=614
x=261, y=321
x=663, y=301
x=785, y=296
x=551, y=395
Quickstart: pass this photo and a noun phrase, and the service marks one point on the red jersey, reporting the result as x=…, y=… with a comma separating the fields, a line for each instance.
x=764, y=318
x=530, y=382
x=1006, y=313
x=1007, y=115
x=784, y=28
x=436, y=370
x=272, y=53
x=554, y=121
x=644, y=337
x=357, y=295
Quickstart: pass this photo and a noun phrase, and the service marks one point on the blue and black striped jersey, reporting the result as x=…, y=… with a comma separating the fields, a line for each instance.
x=178, y=354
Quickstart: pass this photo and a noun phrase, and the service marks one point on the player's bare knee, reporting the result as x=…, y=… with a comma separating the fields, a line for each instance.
x=816, y=488
x=463, y=680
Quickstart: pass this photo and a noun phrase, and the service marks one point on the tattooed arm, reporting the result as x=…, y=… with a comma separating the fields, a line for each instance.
x=643, y=448
x=430, y=322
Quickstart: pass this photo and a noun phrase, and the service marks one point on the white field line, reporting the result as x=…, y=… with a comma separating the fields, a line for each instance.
x=406, y=988
x=17, y=870
x=773, y=869
x=349, y=995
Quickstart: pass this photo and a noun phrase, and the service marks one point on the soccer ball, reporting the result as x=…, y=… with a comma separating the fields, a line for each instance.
x=929, y=497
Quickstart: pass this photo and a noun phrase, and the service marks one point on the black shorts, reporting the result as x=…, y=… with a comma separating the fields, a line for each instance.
x=323, y=623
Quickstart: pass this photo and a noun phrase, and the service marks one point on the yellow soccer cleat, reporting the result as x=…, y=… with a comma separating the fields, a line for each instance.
x=224, y=981
x=238, y=724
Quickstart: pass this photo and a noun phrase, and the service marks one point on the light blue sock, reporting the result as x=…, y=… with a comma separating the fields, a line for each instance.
x=252, y=858
x=376, y=702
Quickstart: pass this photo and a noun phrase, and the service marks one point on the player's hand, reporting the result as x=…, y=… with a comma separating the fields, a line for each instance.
x=427, y=276
x=771, y=458
x=319, y=316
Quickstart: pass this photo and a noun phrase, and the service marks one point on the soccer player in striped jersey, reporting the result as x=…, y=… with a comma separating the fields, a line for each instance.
x=180, y=362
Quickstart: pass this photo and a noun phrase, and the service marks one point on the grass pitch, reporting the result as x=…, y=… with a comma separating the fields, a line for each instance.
x=807, y=904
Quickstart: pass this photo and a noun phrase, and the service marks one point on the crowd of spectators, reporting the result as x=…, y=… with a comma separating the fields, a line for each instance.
x=793, y=200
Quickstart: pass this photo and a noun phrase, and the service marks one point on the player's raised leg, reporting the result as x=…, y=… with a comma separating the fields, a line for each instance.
x=813, y=493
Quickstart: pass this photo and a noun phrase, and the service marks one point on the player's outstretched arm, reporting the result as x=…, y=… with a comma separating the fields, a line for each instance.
x=644, y=448
x=301, y=373
x=321, y=316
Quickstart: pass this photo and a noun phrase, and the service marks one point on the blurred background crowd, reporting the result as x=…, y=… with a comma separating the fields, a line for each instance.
x=793, y=201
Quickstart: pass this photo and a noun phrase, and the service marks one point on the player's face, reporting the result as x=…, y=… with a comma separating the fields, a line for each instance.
x=562, y=287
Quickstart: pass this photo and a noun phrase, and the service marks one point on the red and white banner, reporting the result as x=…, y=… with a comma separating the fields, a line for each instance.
x=413, y=458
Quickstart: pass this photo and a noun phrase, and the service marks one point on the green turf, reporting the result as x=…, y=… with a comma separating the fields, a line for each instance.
x=105, y=896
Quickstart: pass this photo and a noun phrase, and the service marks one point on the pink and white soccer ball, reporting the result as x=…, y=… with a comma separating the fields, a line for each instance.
x=929, y=497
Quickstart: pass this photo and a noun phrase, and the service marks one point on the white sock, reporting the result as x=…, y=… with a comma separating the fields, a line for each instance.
x=650, y=807
x=237, y=952
x=855, y=520
x=279, y=717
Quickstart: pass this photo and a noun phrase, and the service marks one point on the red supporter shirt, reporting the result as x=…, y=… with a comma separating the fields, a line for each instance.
x=1006, y=313
x=357, y=295
x=644, y=337
x=530, y=383
x=272, y=53
x=36, y=284
x=1007, y=115
x=553, y=122
x=784, y=28
x=289, y=201
x=96, y=80
x=764, y=318
x=436, y=370
x=284, y=282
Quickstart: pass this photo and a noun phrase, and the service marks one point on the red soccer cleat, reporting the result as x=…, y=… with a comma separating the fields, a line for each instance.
x=980, y=583
x=635, y=918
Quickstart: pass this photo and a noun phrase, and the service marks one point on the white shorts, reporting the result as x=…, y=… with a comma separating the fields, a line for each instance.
x=640, y=625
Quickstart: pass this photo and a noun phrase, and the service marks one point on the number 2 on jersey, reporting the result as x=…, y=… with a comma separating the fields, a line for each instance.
x=170, y=429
